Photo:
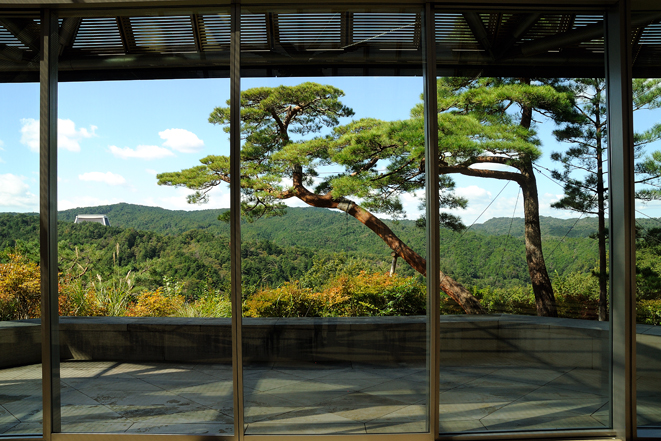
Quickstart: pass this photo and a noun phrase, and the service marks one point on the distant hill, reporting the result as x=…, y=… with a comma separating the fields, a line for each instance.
x=156, y=219
x=484, y=255
x=551, y=226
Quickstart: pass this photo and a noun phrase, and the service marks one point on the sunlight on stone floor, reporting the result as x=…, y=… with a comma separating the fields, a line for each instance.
x=313, y=398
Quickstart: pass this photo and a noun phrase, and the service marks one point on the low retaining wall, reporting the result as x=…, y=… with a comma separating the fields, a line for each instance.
x=551, y=341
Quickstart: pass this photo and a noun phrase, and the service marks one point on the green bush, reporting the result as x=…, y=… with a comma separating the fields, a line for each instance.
x=648, y=312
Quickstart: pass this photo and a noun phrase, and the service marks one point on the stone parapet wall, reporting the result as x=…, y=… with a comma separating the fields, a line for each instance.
x=555, y=342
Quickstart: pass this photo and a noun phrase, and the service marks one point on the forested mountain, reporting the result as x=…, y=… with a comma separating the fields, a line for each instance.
x=551, y=226
x=193, y=246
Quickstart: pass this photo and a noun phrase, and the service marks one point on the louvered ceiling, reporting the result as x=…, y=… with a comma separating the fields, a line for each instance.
x=326, y=43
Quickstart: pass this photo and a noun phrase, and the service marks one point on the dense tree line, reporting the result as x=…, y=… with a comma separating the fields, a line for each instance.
x=280, y=249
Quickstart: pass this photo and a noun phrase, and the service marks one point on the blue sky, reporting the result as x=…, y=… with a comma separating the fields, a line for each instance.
x=116, y=136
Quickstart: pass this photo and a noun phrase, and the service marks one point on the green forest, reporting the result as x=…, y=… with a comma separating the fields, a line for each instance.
x=305, y=251
x=192, y=246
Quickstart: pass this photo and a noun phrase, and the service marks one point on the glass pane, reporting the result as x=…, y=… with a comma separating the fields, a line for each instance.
x=648, y=240
x=145, y=312
x=334, y=300
x=21, y=401
x=524, y=332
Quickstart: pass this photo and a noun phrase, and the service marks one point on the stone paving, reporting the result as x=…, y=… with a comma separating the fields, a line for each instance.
x=316, y=398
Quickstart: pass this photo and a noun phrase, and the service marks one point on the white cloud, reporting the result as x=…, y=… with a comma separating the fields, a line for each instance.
x=181, y=140
x=489, y=166
x=473, y=193
x=68, y=137
x=108, y=178
x=1, y=144
x=141, y=152
x=30, y=133
x=15, y=193
x=151, y=171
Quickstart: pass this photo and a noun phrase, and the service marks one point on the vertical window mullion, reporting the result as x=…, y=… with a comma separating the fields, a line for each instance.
x=432, y=214
x=622, y=220
x=48, y=222
x=235, y=217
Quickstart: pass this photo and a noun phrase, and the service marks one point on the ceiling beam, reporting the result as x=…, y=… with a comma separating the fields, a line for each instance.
x=576, y=36
x=522, y=27
x=480, y=33
x=11, y=53
x=20, y=28
x=68, y=31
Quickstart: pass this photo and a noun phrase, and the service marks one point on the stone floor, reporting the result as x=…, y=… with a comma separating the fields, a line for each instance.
x=314, y=398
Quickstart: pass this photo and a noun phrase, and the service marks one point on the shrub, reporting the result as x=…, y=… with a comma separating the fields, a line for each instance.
x=648, y=312
x=155, y=304
x=364, y=294
x=212, y=304
x=20, y=288
x=514, y=300
x=289, y=300
x=577, y=295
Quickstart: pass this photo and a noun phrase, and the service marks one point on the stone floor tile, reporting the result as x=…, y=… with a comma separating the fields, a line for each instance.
x=27, y=409
x=34, y=428
x=267, y=380
x=496, y=387
x=468, y=411
x=183, y=428
x=538, y=423
x=539, y=376
x=263, y=405
x=408, y=419
x=453, y=426
x=583, y=380
x=340, y=382
x=308, y=393
x=168, y=415
x=312, y=373
x=74, y=414
x=408, y=392
x=465, y=394
x=86, y=385
x=301, y=423
x=543, y=409
x=361, y=407
x=116, y=426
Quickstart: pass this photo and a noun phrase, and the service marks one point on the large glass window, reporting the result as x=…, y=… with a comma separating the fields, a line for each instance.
x=20, y=294
x=646, y=92
x=145, y=311
x=524, y=333
x=333, y=287
x=334, y=223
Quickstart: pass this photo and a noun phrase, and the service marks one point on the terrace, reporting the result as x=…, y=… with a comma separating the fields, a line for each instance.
x=497, y=373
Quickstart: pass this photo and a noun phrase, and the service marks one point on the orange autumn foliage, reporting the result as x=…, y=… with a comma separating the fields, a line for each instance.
x=20, y=288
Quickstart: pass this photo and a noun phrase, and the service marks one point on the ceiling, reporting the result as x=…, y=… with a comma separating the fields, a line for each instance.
x=189, y=45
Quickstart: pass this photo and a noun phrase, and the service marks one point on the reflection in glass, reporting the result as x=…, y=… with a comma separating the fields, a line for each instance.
x=20, y=291
x=532, y=350
x=144, y=302
x=648, y=240
x=334, y=300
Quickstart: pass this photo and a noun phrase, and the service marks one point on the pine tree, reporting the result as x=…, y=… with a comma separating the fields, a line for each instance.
x=585, y=164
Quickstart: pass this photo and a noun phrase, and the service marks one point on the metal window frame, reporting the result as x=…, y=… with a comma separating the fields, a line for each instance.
x=50, y=350
x=622, y=266
x=622, y=220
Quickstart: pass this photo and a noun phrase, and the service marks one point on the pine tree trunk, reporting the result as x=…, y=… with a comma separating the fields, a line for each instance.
x=601, y=209
x=539, y=276
x=451, y=287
